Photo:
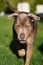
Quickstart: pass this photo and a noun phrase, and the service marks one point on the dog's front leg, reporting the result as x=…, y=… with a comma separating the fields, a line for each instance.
x=30, y=44
x=29, y=53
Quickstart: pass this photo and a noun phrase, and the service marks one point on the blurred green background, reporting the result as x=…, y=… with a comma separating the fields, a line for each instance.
x=14, y=3
x=7, y=57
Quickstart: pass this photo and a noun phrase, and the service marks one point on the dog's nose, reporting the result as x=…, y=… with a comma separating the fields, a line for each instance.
x=22, y=36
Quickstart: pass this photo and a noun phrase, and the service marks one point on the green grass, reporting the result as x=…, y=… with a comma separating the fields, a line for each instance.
x=6, y=55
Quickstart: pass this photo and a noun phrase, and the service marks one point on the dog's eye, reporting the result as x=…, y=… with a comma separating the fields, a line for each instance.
x=18, y=26
x=26, y=26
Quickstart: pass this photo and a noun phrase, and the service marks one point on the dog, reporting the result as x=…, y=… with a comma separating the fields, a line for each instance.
x=25, y=26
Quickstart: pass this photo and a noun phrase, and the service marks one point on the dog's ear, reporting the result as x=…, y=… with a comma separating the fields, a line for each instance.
x=33, y=17
x=12, y=15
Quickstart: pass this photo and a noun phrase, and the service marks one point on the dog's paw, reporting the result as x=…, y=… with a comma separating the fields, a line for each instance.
x=21, y=53
x=27, y=64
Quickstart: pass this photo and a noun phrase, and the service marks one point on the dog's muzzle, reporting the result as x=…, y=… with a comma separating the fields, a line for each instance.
x=22, y=41
x=22, y=38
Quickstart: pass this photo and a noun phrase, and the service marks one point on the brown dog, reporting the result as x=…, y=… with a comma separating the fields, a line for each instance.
x=25, y=26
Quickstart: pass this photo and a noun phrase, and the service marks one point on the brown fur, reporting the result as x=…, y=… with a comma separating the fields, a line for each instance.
x=25, y=26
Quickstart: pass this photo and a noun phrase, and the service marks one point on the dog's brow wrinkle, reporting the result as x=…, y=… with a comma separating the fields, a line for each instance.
x=22, y=16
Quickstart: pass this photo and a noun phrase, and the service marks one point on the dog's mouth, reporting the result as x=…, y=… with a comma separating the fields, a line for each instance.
x=22, y=41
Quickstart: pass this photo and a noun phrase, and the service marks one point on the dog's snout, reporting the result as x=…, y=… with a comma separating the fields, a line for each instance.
x=22, y=36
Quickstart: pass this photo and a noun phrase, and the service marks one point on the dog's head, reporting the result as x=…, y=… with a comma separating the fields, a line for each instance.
x=23, y=25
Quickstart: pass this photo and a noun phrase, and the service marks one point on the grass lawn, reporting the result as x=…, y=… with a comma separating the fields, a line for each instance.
x=6, y=55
